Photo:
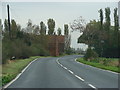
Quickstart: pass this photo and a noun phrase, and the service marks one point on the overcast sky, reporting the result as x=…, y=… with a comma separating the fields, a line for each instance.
x=61, y=12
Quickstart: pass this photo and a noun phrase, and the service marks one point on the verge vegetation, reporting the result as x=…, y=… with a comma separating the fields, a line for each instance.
x=111, y=64
x=14, y=67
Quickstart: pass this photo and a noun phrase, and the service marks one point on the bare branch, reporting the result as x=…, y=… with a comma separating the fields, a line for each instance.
x=78, y=24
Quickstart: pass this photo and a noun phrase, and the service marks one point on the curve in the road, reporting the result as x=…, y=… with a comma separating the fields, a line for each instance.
x=64, y=72
x=75, y=75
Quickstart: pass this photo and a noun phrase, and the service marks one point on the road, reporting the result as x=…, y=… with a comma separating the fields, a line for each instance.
x=64, y=72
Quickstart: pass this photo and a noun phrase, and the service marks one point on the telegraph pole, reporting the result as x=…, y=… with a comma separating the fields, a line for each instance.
x=9, y=21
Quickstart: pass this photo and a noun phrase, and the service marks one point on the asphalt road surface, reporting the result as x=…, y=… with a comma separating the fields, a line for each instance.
x=64, y=72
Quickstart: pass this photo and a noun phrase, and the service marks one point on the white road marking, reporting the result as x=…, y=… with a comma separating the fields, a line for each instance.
x=79, y=78
x=61, y=65
x=76, y=59
x=92, y=86
x=70, y=71
x=19, y=74
x=65, y=68
x=57, y=61
x=74, y=74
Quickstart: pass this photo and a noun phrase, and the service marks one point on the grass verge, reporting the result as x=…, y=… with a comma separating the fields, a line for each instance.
x=13, y=68
x=99, y=65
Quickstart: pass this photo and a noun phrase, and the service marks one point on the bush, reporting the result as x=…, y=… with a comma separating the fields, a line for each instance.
x=68, y=51
x=20, y=49
x=15, y=48
x=90, y=55
x=6, y=78
x=6, y=49
x=44, y=52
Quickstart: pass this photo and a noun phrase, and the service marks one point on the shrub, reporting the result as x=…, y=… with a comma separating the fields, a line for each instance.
x=90, y=55
x=38, y=50
x=6, y=49
x=68, y=51
x=6, y=78
x=24, y=46
x=44, y=52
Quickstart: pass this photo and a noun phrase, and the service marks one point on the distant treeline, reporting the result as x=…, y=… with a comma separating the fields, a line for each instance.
x=25, y=42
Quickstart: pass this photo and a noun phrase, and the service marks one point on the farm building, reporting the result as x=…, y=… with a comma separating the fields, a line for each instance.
x=56, y=44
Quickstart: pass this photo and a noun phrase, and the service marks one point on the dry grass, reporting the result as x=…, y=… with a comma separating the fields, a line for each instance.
x=103, y=63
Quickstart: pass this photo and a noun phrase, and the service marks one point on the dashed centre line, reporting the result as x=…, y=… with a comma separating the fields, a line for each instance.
x=75, y=74
x=79, y=78
x=92, y=86
x=70, y=71
x=64, y=67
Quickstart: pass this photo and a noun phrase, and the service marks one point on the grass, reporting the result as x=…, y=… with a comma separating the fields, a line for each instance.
x=108, y=65
x=0, y=75
x=13, y=68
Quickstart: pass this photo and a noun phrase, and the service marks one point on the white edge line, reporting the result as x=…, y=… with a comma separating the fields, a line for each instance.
x=19, y=74
x=96, y=67
x=92, y=86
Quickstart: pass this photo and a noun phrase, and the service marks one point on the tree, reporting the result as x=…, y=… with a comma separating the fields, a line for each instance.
x=101, y=18
x=107, y=24
x=6, y=25
x=18, y=27
x=78, y=24
x=59, y=31
x=1, y=29
x=90, y=54
x=107, y=19
x=116, y=21
x=116, y=30
x=54, y=33
x=89, y=35
x=51, y=26
x=29, y=23
x=29, y=28
x=36, y=29
x=42, y=28
x=13, y=29
x=1, y=26
x=67, y=38
x=66, y=31
x=23, y=44
x=105, y=42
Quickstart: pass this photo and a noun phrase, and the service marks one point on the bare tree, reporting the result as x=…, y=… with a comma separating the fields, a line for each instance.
x=78, y=24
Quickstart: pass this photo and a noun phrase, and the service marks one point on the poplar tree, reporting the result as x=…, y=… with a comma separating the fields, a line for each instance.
x=107, y=18
x=116, y=21
x=42, y=28
x=101, y=18
x=59, y=31
x=51, y=26
x=66, y=31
